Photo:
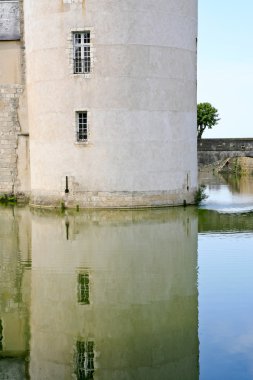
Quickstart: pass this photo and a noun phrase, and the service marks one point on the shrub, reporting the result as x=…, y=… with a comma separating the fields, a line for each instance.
x=200, y=195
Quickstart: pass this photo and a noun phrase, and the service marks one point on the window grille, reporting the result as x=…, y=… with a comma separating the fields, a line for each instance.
x=84, y=360
x=82, y=52
x=83, y=288
x=82, y=126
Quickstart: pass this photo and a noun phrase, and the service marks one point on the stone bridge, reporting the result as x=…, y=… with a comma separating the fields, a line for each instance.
x=213, y=150
x=215, y=222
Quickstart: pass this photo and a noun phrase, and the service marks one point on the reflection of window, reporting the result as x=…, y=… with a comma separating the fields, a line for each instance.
x=1, y=335
x=83, y=288
x=84, y=360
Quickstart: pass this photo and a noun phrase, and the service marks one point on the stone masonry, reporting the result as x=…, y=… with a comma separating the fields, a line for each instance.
x=138, y=95
x=211, y=151
x=9, y=128
x=13, y=128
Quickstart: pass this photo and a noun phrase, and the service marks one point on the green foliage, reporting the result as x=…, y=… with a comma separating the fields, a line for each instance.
x=207, y=117
x=63, y=207
x=7, y=198
x=200, y=195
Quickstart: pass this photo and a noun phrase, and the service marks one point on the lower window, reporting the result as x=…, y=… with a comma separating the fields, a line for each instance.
x=82, y=126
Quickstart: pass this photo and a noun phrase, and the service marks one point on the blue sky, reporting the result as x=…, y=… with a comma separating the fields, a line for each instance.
x=225, y=64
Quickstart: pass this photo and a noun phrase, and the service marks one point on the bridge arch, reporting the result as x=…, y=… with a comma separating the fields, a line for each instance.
x=211, y=151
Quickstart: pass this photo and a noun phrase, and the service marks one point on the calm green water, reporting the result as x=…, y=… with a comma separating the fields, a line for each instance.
x=149, y=294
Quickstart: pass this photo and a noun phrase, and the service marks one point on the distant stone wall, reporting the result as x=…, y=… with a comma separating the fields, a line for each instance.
x=213, y=150
x=9, y=129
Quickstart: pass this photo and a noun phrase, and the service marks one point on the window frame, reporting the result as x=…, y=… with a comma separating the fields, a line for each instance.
x=85, y=359
x=82, y=126
x=83, y=293
x=82, y=52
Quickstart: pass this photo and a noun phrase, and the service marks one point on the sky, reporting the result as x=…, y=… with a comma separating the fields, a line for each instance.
x=225, y=64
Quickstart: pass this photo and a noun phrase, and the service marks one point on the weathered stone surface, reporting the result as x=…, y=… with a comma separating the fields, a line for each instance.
x=9, y=20
x=214, y=150
x=9, y=127
x=103, y=200
x=12, y=369
x=140, y=98
x=238, y=165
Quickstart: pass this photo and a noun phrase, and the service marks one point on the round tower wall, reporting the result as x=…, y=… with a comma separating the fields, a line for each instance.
x=139, y=96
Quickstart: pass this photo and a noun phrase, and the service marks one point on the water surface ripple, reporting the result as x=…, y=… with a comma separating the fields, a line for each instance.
x=144, y=294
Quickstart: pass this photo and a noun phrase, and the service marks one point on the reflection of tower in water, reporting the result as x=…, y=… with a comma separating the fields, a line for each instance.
x=14, y=293
x=118, y=300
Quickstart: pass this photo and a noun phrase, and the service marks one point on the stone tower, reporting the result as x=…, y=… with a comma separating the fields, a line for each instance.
x=111, y=88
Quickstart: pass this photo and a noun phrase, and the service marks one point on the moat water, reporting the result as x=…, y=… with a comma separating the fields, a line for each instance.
x=148, y=294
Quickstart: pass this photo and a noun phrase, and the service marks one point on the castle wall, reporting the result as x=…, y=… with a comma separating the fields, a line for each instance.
x=14, y=146
x=140, y=97
x=10, y=70
x=9, y=128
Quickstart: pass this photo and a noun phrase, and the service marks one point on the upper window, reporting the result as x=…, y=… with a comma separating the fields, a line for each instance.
x=82, y=52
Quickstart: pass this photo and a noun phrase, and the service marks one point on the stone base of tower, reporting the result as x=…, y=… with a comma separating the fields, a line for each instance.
x=114, y=199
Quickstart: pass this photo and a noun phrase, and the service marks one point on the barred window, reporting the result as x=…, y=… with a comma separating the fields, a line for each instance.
x=84, y=360
x=82, y=126
x=83, y=288
x=82, y=52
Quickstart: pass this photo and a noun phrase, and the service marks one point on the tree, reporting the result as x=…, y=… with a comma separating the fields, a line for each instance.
x=207, y=117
